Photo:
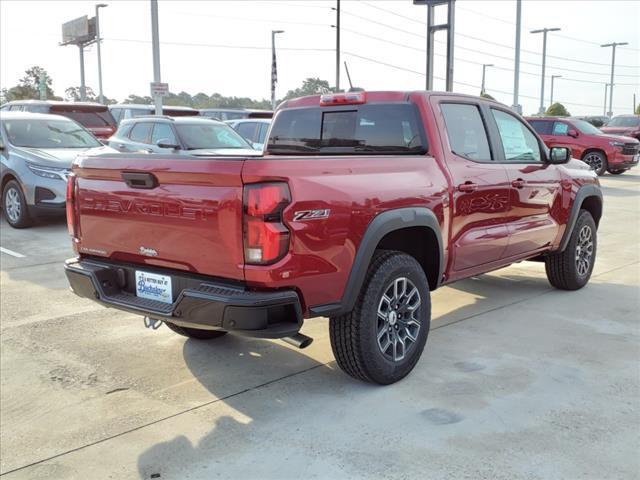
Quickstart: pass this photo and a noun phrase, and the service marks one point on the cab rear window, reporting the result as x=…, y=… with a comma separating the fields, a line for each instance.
x=393, y=128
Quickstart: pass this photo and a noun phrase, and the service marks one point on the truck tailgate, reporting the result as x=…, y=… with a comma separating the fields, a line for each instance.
x=162, y=210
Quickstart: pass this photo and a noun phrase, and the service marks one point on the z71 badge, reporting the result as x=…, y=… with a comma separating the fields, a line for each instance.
x=311, y=215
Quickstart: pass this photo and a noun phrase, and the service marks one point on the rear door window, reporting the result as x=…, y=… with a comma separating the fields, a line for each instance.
x=140, y=132
x=543, y=127
x=560, y=128
x=247, y=130
x=466, y=131
x=393, y=128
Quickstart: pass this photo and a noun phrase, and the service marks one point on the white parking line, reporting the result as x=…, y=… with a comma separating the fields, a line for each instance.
x=11, y=252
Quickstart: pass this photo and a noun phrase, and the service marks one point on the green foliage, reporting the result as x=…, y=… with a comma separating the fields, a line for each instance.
x=486, y=95
x=28, y=87
x=557, y=110
x=638, y=110
x=311, y=86
x=72, y=94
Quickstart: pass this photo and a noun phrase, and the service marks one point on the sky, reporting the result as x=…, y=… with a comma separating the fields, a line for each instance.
x=225, y=47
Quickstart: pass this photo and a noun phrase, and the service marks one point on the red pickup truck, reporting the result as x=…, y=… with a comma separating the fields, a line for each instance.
x=362, y=203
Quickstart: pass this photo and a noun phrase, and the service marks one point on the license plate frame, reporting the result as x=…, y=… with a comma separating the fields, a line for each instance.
x=154, y=286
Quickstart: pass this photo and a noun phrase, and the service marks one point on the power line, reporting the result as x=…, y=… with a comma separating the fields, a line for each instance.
x=476, y=38
x=219, y=45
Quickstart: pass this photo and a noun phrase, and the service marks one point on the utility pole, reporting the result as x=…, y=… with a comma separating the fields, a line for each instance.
x=484, y=68
x=516, y=76
x=553, y=77
x=337, y=45
x=99, y=40
x=83, y=88
x=544, y=31
x=604, y=111
x=431, y=29
x=274, y=69
x=155, y=41
x=613, y=64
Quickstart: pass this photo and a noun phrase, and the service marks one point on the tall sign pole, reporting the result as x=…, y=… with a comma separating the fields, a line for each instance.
x=99, y=41
x=337, y=45
x=516, y=76
x=155, y=42
x=274, y=67
x=80, y=32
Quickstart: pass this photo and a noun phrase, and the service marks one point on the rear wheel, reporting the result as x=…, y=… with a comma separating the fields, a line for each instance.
x=382, y=339
x=597, y=161
x=571, y=269
x=195, y=332
x=615, y=172
x=14, y=205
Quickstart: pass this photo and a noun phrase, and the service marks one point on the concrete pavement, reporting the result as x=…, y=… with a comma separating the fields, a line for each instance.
x=518, y=381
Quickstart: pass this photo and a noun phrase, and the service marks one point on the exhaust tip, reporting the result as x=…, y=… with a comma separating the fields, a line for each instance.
x=299, y=340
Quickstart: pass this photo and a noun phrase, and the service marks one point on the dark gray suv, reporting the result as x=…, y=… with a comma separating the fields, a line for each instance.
x=182, y=135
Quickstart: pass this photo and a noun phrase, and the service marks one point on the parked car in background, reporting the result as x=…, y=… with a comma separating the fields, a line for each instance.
x=234, y=113
x=628, y=125
x=181, y=135
x=595, y=120
x=93, y=116
x=601, y=151
x=36, y=152
x=362, y=204
x=131, y=110
x=254, y=130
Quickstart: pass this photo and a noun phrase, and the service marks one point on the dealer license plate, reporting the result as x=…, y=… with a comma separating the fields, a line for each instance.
x=154, y=286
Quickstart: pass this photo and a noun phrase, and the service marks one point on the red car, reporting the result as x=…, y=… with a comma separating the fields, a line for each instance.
x=601, y=151
x=93, y=116
x=362, y=204
x=627, y=125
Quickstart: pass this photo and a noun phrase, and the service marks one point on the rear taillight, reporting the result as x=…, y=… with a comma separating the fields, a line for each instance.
x=266, y=239
x=71, y=205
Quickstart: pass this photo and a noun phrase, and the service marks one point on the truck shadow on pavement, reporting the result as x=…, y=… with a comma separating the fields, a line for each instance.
x=232, y=439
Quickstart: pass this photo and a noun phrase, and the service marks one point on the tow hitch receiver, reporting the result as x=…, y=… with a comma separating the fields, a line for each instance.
x=152, y=323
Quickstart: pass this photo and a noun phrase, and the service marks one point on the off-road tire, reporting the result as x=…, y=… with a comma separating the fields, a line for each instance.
x=562, y=269
x=20, y=218
x=596, y=158
x=195, y=332
x=354, y=336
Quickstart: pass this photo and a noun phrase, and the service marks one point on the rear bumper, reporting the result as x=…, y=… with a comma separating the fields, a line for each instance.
x=197, y=302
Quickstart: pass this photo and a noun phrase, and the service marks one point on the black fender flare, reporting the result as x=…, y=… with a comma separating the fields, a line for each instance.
x=380, y=226
x=584, y=192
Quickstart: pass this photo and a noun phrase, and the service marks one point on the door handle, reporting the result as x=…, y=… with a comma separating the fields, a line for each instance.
x=518, y=183
x=467, y=187
x=140, y=180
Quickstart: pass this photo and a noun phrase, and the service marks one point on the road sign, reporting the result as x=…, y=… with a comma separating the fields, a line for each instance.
x=159, y=89
x=79, y=30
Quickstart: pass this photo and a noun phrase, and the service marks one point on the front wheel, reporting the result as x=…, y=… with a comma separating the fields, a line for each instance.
x=382, y=339
x=195, y=332
x=597, y=161
x=615, y=172
x=14, y=205
x=572, y=268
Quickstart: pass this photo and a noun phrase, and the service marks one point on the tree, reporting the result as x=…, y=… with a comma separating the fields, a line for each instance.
x=557, y=110
x=311, y=86
x=638, y=110
x=28, y=87
x=486, y=95
x=72, y=94
x=138, y=99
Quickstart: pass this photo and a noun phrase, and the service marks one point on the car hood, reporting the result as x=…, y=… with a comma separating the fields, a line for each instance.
x=228, y=152
x=58, y=157
x=619, y=130
x=617, y=138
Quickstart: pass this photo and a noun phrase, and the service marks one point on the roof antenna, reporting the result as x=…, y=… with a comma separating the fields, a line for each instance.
x=351, y=87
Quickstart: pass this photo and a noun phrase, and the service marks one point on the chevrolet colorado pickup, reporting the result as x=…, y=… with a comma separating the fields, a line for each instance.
x=361, y=205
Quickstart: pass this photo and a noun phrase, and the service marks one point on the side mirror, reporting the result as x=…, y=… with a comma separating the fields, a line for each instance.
x=559, y=155
x=166, y=143
x=573, y=133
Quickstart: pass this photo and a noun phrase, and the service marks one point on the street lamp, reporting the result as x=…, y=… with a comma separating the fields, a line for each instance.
x=98, y=7
x=544, y=58
x=553, y=77
x=484, y=68
x=613, y=63
x=274, y=70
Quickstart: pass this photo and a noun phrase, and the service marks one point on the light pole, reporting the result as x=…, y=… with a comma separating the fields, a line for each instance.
x=155, y=41
x=553, y=77
x=613, y=64
x=516, y=75
x=604, y=112
x=274, y=69
x=337, y=25
x=544, y=31
x=99, y=40
x=484, y=68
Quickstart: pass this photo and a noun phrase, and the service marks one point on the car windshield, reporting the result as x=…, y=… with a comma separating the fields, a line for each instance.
x=196, y=136
x=48, y=134
x=586, y=127
x=623, y=122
